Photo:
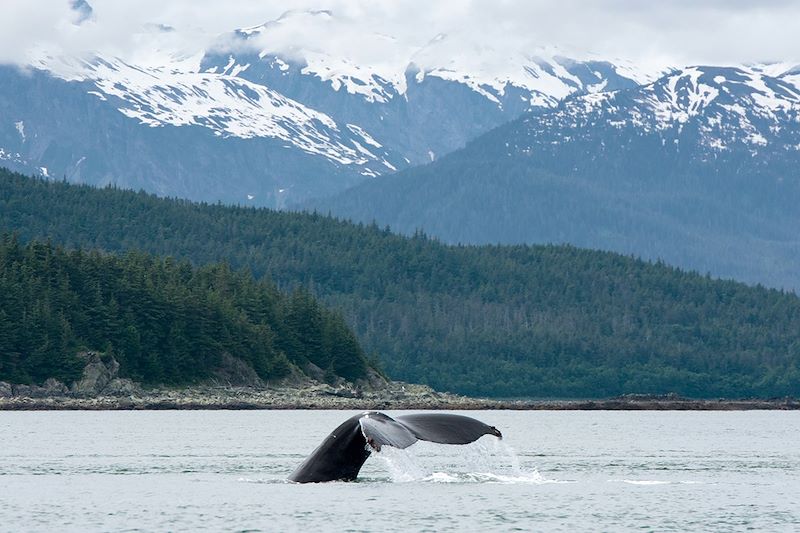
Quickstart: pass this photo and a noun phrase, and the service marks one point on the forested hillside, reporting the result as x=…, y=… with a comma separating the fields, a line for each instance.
x=163, y=320
x=495, y=320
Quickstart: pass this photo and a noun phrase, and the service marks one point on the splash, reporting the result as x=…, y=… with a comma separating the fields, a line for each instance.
x=262, y=481
x=485, y=461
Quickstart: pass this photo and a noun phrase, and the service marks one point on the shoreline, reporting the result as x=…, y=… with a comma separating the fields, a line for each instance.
x=398, y=396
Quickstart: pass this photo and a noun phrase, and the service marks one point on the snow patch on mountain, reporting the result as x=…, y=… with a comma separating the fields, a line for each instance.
x=543, y=73
x=682, y=96
x=732, y=103
x=489, y=71
x=224, y=103
x=275, y=41
x=374, y=85
x=20, y=127
x=11, y=156
x=726, y=105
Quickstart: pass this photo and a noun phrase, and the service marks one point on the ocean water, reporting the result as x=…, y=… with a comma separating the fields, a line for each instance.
x=553, y=471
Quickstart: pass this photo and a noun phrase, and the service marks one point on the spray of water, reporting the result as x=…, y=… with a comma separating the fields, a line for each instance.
x=489, y=460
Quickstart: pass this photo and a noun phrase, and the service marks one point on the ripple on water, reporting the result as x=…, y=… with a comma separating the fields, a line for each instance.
x=656, y=482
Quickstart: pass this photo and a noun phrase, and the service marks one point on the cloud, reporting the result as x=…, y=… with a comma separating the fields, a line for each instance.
x=83, y=11
x=675, y=32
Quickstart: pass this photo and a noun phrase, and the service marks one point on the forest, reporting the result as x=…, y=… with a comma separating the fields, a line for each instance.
x=163, y=320
x=502, y=321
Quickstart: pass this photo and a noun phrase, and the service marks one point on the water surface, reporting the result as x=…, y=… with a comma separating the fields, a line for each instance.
x=554, y=471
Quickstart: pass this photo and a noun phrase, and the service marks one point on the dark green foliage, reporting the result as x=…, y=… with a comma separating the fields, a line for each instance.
x=495, y=320
x=164, y=321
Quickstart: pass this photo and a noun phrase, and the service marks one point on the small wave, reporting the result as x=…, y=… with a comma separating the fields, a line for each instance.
x=534, y=478
x=653, y=482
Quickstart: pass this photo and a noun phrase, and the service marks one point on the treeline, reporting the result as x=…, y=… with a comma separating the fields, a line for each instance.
x=165, y=321
x=493, y=320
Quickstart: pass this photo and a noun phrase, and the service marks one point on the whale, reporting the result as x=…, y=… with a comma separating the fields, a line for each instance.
x=342, y=454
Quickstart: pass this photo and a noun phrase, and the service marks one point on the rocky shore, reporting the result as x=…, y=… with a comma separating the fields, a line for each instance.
x=100, y=388
x=321, y=396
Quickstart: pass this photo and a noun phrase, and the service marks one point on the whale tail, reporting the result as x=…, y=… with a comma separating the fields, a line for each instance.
x=342, y=454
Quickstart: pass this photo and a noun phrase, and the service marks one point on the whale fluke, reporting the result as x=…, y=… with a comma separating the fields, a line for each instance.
x=343, y=452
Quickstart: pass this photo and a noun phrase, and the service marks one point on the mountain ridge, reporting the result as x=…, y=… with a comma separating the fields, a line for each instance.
x=291, y=125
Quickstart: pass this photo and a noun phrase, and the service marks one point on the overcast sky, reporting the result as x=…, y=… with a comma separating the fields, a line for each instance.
x=677, y=32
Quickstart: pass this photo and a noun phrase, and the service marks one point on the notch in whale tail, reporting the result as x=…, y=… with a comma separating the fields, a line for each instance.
x=342, y=454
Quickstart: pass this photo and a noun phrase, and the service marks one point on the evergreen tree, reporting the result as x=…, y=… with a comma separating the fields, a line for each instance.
x=164, y=320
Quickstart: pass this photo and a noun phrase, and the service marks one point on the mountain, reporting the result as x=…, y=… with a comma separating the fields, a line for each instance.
x=423, y=102
x=240, y=124
x=154, y=128
x=490, y=320
x=699, y=168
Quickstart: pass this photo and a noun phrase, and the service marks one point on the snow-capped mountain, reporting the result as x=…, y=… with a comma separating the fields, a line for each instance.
x=176, y=94
x=257, y=120
x=705, y=110
x=231, y=106
x=700, y=168
x=423, y=102
x=545, y=76
x=190, y=135
x=291, y=124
